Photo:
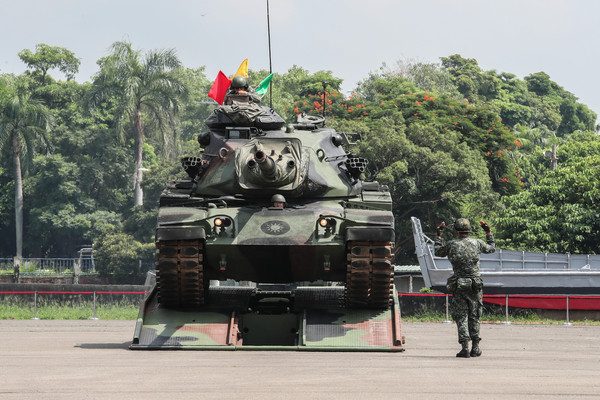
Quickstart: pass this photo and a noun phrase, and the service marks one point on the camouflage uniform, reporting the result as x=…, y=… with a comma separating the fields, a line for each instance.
x=465, y=284
x=246, y=94
x=249, y=97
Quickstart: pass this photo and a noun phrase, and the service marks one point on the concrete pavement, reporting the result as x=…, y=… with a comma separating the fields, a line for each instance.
x=91, y=360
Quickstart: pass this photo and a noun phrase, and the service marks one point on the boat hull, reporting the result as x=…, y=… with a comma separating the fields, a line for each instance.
x=515, y=272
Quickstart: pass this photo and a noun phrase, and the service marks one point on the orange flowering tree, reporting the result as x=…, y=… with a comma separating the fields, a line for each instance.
x=475, y=125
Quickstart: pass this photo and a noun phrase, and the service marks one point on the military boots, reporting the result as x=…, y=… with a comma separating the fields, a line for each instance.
x=475, y=350
x=464, y=353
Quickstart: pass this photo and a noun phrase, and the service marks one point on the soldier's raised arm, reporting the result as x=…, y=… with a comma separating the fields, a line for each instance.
x=490, y=246
x=439, y=246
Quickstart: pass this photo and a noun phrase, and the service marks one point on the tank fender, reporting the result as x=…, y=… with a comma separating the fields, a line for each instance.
x=377, y=234
x=180, y=233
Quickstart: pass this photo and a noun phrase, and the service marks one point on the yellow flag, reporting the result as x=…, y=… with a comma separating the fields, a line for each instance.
x=243, y=69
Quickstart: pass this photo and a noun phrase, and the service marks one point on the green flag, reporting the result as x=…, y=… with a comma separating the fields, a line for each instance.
x=262, y=88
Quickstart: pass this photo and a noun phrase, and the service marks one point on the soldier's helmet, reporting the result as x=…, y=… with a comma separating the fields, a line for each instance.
x=462, y=225
x=239, y=82
x=277, y=198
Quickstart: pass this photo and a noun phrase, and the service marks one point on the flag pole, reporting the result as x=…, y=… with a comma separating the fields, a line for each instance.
x=270, y=63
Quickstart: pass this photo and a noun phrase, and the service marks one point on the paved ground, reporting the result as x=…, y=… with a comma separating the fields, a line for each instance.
x=90, y=359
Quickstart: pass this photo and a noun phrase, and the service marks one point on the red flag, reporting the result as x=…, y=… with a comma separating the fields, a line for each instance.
x=219, y=88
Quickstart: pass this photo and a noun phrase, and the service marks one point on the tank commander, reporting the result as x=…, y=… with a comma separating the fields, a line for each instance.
x=465, y=284
x=278, y=201
x=240, y=91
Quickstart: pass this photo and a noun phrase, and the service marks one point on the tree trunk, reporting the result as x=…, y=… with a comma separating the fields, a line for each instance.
x=138, y=194
x=18, y=195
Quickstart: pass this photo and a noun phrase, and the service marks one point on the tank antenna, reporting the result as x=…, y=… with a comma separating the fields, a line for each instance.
x=324, y=96
x=270, y=63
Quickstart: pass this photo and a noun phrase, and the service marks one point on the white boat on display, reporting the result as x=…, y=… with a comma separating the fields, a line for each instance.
x=515, y=272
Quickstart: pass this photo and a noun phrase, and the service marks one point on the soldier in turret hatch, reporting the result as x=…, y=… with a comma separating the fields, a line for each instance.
x=240, y=91
x=465, y=284
x=278, y=201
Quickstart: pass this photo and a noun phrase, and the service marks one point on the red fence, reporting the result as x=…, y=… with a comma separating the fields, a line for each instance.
x=558, y=302
x=66, y=292
x=546, y=302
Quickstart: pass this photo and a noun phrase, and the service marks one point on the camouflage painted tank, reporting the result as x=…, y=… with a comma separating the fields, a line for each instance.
x=229, y=220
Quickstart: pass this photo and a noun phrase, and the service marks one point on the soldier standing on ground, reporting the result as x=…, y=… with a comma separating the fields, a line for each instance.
x=465, y=284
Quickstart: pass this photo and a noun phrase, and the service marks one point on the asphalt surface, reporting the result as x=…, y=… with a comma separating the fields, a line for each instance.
x=91, y=360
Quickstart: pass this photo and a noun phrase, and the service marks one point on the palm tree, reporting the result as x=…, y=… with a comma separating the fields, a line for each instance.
x=24, y=121
x=531, y=137
x=148, y=85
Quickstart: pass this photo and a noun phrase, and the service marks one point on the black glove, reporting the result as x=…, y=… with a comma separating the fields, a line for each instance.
x=440, y=228
x=485, y=227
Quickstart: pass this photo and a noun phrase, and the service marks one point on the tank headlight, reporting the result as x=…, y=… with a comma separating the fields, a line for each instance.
x=327, y=222
x=222, y=222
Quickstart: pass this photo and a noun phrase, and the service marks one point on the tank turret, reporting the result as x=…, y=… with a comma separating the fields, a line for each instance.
x=268, y=163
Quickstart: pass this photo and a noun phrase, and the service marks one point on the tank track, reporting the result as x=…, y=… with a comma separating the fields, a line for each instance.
x=370, y=275
x=179, y=273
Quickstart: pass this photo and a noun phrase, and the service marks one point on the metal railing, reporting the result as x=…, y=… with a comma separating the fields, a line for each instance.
x=6, y=264
x=48, y=266
x=566, y=303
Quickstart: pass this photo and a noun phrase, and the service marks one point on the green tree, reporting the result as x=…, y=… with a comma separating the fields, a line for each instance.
x=466, y=75
x=540, y=84
x=476, y=125
x=24, y=121
x=555, y=107
x=425, y=76
x=7, y=213
x=80, y=189
x=50, y=57
x=143, y=85
x=195, y=110
x=118, y=254
x=61, y=217
x=430, y=175
x=536, y=101
x=299, y=91
x=575, y=117
x=560, y=213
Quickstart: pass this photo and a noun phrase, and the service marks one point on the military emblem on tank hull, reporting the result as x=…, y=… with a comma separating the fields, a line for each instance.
x=275, y=227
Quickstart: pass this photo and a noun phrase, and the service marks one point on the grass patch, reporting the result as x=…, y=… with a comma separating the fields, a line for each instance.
x=80, y=311
x=426, y=316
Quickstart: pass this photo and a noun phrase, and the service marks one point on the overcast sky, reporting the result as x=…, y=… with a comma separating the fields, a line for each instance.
x=350, y=37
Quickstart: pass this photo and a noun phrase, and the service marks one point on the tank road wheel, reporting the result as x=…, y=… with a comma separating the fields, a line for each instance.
x=370, y=275
x=179, y=273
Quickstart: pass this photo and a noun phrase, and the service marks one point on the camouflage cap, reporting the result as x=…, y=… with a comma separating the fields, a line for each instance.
x=462, y=225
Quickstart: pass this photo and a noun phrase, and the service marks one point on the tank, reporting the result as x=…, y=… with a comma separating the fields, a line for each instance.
x=274, y=203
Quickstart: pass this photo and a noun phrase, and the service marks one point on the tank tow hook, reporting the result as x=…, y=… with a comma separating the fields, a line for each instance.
x=326, y=263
